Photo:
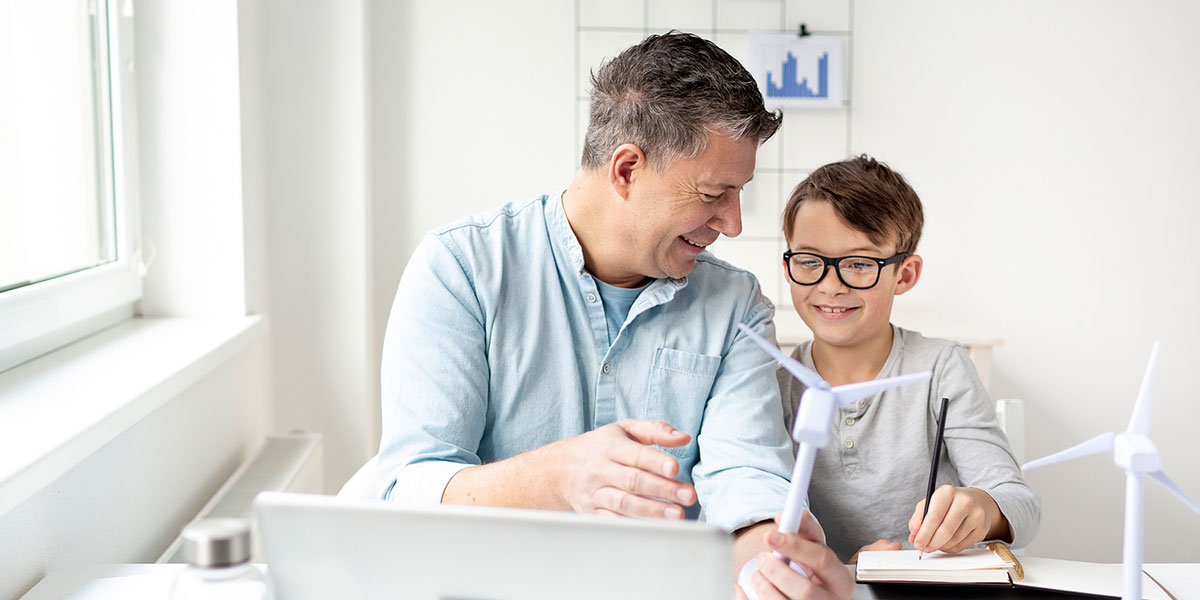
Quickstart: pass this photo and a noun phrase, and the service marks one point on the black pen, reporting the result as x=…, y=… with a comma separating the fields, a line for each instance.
x=933, y=466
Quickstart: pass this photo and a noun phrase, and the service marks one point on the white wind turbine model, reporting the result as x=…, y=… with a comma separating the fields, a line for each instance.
x=814, y=419
x=1137, y=455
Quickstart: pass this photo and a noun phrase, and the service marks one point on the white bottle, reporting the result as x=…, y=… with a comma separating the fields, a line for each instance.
x=218, y=556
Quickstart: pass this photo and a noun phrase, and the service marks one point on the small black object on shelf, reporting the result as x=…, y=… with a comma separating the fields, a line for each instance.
x=804, y=30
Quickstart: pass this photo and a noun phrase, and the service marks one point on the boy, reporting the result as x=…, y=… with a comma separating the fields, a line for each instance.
x=852, y=229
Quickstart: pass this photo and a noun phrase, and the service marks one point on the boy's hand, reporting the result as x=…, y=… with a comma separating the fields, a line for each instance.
x=958, y=518
x=878, y=545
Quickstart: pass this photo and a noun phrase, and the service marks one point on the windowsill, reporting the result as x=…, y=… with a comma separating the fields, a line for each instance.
x=58, y=409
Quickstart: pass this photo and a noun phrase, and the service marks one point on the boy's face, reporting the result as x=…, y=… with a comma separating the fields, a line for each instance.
x=836, y=314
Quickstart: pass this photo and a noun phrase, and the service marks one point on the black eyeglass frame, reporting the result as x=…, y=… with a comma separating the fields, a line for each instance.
x=833, y=262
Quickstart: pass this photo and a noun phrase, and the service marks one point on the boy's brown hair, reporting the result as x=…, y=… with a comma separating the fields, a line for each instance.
x=868, y=196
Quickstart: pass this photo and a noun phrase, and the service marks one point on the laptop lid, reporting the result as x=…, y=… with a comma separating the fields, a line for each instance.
x=320, y=547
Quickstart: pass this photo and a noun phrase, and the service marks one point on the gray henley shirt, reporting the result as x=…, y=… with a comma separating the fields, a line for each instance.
x=867, y=481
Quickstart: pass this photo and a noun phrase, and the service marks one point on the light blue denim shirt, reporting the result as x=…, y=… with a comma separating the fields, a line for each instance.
x=497, y=344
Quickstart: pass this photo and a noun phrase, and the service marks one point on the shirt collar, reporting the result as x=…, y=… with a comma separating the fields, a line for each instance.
x=561, y=232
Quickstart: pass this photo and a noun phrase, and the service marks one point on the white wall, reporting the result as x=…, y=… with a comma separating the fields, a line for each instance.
x=1051, y=143
x=313, y=111
x=456, y=151
x=1054, y=146
x=438, y=153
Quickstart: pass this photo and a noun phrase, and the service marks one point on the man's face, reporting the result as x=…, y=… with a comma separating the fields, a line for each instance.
x=673, y=215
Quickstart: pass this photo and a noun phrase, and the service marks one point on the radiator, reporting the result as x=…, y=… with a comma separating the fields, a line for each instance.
x=289, y=462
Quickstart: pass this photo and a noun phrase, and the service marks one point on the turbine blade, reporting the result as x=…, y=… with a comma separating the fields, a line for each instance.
x=853, y=392
x=806, y=375
x=1139, y=421
x=1095, y=445
x=1162, y=478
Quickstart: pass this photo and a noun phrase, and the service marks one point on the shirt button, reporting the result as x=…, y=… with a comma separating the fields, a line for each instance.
x=591, y=298
x=849, y=443
x=607, y=368
x=850, y=420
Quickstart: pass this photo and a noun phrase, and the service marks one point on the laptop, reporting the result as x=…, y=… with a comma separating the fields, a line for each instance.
x=320, y=547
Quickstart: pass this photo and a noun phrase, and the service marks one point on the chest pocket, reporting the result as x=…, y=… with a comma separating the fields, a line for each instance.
x=680, y=383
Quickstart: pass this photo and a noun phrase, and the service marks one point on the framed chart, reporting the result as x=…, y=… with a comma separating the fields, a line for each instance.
x=794, y=71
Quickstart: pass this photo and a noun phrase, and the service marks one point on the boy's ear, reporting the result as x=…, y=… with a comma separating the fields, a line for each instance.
x=910, y=272
x=627, y=160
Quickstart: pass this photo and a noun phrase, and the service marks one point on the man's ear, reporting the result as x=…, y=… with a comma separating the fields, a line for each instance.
x=624, y=166
x=910, y=273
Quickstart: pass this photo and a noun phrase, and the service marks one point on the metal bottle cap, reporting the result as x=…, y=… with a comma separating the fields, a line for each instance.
x=217, y=542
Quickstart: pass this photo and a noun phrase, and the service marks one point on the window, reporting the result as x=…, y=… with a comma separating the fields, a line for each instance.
x=68, y=240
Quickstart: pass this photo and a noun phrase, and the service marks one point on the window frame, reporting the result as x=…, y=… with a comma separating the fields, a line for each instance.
x=40, y=317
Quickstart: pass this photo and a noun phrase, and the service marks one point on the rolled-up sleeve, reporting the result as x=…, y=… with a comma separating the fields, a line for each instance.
x=980, y=450
x=745, y=452
x=434, y=380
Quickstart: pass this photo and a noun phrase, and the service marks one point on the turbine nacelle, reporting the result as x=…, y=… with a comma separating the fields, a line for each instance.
x=1134, y=452
x=814, y=416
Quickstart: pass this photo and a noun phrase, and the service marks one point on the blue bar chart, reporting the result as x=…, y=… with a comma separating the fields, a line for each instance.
x=794, y=71
x=790, y=88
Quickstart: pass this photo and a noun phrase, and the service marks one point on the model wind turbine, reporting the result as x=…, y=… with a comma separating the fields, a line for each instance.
x=1137, y=455
x=814, y=420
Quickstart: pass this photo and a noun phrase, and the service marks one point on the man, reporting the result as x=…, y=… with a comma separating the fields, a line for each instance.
x=537, y=354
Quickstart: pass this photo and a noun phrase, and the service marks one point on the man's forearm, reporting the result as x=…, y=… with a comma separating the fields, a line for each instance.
x=522, y=481
x=749, y=541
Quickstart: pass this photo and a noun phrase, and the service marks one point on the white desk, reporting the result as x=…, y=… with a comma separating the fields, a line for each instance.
x=1180, y=579
x=108, y=582
x=153, y=582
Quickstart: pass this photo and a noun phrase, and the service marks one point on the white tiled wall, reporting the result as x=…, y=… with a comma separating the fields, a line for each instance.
x=612, y=13
x=819, y=15
x=807, y=140
x=762, y=202
x=684, y=15
x=749, y=14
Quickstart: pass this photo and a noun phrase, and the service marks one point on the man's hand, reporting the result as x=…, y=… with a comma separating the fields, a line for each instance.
x=828, y=578
x=610, y=470
x=878, y=545
x=958, y=518
x=613, y=470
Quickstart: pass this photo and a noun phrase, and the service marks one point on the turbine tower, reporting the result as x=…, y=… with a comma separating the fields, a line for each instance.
x=1136, y=454
x=814, y=419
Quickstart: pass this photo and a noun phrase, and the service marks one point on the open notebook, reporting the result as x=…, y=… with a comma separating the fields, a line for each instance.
x=996, y=565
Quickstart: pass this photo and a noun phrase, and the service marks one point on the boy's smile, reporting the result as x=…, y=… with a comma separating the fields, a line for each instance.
x=834, y=313
x=840, y=316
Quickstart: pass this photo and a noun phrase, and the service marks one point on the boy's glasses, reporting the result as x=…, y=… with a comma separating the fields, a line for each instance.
x=856, y=272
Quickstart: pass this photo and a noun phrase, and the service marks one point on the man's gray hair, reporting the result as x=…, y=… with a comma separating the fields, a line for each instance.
x=666, y=94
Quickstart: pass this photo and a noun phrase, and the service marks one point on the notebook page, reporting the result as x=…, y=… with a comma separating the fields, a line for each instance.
x=906, y=560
